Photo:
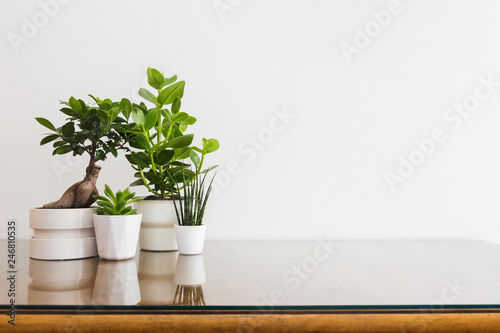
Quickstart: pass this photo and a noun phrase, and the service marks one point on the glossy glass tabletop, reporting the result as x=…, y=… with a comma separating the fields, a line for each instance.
x=268, y=275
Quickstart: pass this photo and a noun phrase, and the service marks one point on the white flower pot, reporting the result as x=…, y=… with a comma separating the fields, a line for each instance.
x=190, y=239
x=117, y=235
x=190, y=270
x=62, y=282
x=157, y=229
x=116, y=283
x=60, y=234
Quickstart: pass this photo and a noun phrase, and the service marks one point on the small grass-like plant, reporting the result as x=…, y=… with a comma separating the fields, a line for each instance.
x=193, y=200
x=116, y=204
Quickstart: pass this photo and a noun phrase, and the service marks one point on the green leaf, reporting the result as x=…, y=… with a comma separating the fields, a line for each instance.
x=147, y=95
x=181, y=116
x=109, y=193
x=46, y=123
x=170, y=93
x=139, y=142
x=150, y=120
x=100, y=197
x=169, y=80
x=69, y=112
x=58, y=144
x=49, y=138
x=155, y=78
x=176, y=105
x=140, y=160
x=182, y=153
x=210, y=145
x=180, y=141
x=165, y=156
x=126, y=107
x=195, y=158
x=75, y=104
x=68, y=128
x=113, y=151
x=138, y=182
x=134, y=200
x=62, y=150
x=138, y=117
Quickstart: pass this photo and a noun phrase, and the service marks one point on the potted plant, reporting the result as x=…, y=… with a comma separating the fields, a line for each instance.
x=190, y=209
x=116, y=224
x=63, y=229
x=159, y=158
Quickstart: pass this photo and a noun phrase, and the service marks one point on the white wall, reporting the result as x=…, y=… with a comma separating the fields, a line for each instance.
x=323, y=172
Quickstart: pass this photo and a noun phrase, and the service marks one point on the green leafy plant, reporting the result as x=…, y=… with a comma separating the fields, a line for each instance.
x=116, y=204
x=158, y=135
x=190, y=207
x=93, y=130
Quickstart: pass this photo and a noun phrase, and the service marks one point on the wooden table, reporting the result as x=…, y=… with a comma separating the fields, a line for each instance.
x=263, y=286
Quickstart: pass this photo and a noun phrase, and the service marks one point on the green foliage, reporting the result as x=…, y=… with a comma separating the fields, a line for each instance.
x=158, y=136
x=95, y=130
x=116, y=204
x=190, y=207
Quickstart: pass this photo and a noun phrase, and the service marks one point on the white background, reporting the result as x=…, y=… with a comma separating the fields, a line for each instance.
x=322, y=174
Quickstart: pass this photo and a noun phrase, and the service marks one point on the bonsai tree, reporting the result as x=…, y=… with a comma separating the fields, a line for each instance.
x=91, y=130
x=158, y=134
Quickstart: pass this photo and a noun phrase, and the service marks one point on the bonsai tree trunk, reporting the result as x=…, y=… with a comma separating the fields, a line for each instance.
x=80, y=194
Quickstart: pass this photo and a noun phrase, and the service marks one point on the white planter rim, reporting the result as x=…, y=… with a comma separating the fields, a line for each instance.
x=64, y=218
x=117, y=217
x=189, y=226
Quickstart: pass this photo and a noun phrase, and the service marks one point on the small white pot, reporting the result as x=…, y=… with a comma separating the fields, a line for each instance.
x=190, y=239
x=157, y=228
x=60, y=234
x=116, y=283
x=117, y=235
x=190, y=270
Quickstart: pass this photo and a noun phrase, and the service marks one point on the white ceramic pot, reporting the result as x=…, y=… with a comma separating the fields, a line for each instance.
x=62, y=282
x=117, y=235
x=190, y=270
x=157, y=228
x=116, y=283
x=60, y=234
x=190, y=239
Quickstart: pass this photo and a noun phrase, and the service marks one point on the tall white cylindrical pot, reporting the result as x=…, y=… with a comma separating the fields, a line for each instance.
x=190, y=239
x=117, y=235
x=60, y=234
x=157, y=228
